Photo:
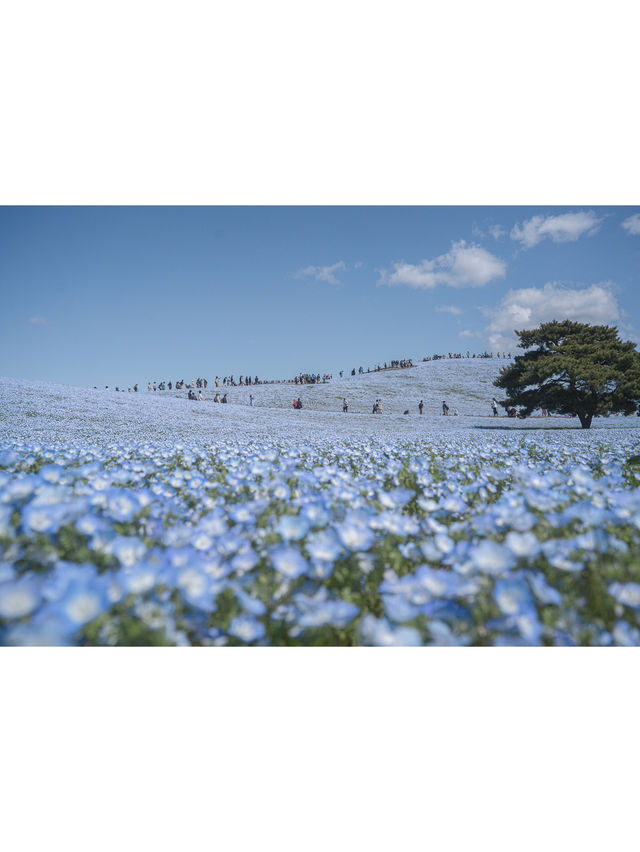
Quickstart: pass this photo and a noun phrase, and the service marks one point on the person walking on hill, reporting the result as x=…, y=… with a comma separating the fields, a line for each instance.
x=421, y=407
x=445, y=408
x=345, y=405
x=494, y=406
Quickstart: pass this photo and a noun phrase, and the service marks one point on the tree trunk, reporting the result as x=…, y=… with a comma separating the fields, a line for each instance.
x=585, y=420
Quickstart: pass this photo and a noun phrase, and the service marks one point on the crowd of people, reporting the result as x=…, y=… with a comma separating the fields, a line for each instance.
x=312, y=378
x=459, y=355
x=196, y=386
x=302, y=378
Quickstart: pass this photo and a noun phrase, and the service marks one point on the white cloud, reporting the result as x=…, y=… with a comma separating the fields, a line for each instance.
x=322, y=273
x=564, y=228
x=527, y=308
x=467, y=333
x=38, y=321
x=463, y=266
x=449, y=309
x=632, y=224
x=495, y=231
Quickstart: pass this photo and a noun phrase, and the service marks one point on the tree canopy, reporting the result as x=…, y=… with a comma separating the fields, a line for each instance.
x=573, y=368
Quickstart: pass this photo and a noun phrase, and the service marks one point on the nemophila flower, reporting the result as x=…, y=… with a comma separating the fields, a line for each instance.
x=396, y=498
x=45, y=628
x=398, y=608
x=245, y=560
x=197, y=588
x=230, y=543
x=254, y=606
x=543, y=591
x=138, y=580
x=593, y=541
x=202, y=541
x=20, y=489
x=213, y=524
x=560, y=557
x=128, y=550
x=247, y=629
x=588, y=514
x=177, y=536
x=84, y=600
x=489, y=557
x=320, y=570
x=624, y=634
x=444, y=543
x=214, y=568
x=519, y=629
x=43, y=519
x=324, y=546
x=102, y=482
x=450, y=611
x=439, y=582
x=121, y=504
x=434, y=526
x=91, y=524
x=242, y=515
x=455, y=505
x=337, y=613
x=380, y=632
x=280, y=490
x=627, y=594
x=20, y=597
x=523, y=545
x=52, y=472
x=529, y=626
x=288, y=562
x=355, y=534
x=9, y=458
x=543, y=501
x=292, y=527
x=442, y=634
x=394, y=522
x=315, y=514
x=430, y=551
x=409, y=551
x=513, y=596
x=428, y=504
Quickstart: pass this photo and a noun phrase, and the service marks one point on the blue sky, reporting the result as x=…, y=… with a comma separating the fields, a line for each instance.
x=118, y=295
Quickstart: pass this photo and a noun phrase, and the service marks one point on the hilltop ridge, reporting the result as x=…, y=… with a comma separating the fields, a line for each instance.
x=43, y=410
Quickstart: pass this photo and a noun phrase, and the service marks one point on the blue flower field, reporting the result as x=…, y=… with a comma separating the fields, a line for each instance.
x=147, y=519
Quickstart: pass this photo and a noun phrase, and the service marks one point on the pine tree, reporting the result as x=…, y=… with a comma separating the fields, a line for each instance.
x=573, y=368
